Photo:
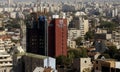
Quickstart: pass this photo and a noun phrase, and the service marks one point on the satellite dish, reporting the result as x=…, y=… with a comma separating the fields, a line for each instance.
x=103, y=58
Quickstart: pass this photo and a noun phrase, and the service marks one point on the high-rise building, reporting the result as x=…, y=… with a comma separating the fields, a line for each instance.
x=57, y=44
x=47, y=37
x=36, y=36
x=80, y=23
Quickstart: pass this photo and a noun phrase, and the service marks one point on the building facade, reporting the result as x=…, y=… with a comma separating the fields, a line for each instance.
x=82, y=64
x=57, y=37
x=36, y=37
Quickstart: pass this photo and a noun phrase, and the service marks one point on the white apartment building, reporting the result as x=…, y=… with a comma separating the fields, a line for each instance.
x=5, y=62
x=116, y=38
x=81, y=24
x=71, y=43
x=1, y=9
x=5, y=43
x=5, y=58
x=2, y=32
x=73, y=33
x=13, y=14
x=8, y=43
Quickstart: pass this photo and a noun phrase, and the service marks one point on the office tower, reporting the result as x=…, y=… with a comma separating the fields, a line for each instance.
x=48, y=39
x=57, y=37
x=37, y=36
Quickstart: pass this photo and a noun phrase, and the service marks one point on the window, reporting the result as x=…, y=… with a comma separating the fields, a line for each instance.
x=96, y=68
x=85, y=61
x=96, y=62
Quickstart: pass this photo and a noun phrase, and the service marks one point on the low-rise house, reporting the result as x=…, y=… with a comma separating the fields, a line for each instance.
x=71, y=44
x=106, y=65
x=82, y=64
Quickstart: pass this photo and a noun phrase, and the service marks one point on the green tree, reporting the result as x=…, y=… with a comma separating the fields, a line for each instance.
x=117, y=56
x=77, y=53
x=89, y=35
x=112, y=50
x=106, y=55
x=83, y=52
x=108, y=25
x=61, y=60
x=78, y=41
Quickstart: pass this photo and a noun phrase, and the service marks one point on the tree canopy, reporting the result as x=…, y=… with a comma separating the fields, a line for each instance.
x=108, y=25
x=78, y=41
x=89, y=35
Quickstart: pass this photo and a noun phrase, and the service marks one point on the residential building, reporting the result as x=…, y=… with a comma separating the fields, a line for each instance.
x=117, y=66
x=6, y=43
x=5, y=62
x=116, y=38
x=103, y=36
x=82, y=64
x=106, y=65
x=101, y=66
x=73, y=33
x=71, y=44
x=81, y=24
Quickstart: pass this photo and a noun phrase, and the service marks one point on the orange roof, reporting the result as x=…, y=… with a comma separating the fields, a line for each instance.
x=5, y=37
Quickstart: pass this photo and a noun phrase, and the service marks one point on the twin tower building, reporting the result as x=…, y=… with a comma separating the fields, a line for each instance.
x=47, y=37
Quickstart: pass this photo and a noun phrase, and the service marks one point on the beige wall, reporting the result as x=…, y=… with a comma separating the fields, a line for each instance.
x=85, y=63
x=71, y=44
x=86, y=26
x=5, y=69
x=82, y=63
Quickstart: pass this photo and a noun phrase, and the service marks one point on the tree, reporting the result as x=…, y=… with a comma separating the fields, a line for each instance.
x=106, y=55
x=83, y=52
x=89, y=35
x=108, y=25
x=78, y=41
x=112, y=50
x=77, y=53
x=117, y=56
x=61, y=60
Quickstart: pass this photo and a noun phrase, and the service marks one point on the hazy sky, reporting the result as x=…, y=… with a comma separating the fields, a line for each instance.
x=62, y=0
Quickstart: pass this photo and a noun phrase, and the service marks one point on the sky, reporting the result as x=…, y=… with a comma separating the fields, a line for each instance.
x=63, y=0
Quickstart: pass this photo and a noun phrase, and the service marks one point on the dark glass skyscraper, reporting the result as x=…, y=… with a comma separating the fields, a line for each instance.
x=36, y=36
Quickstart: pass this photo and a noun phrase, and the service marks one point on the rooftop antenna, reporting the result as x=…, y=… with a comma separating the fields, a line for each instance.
x=37, y=7
x=9, y=7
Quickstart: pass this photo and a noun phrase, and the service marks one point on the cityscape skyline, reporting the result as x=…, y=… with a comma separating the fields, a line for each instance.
x=59, y=36
x=66, y=0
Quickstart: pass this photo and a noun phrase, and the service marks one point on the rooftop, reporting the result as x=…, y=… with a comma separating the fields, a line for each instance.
x=35, y=55
x=4, y=54
x=32, y=55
